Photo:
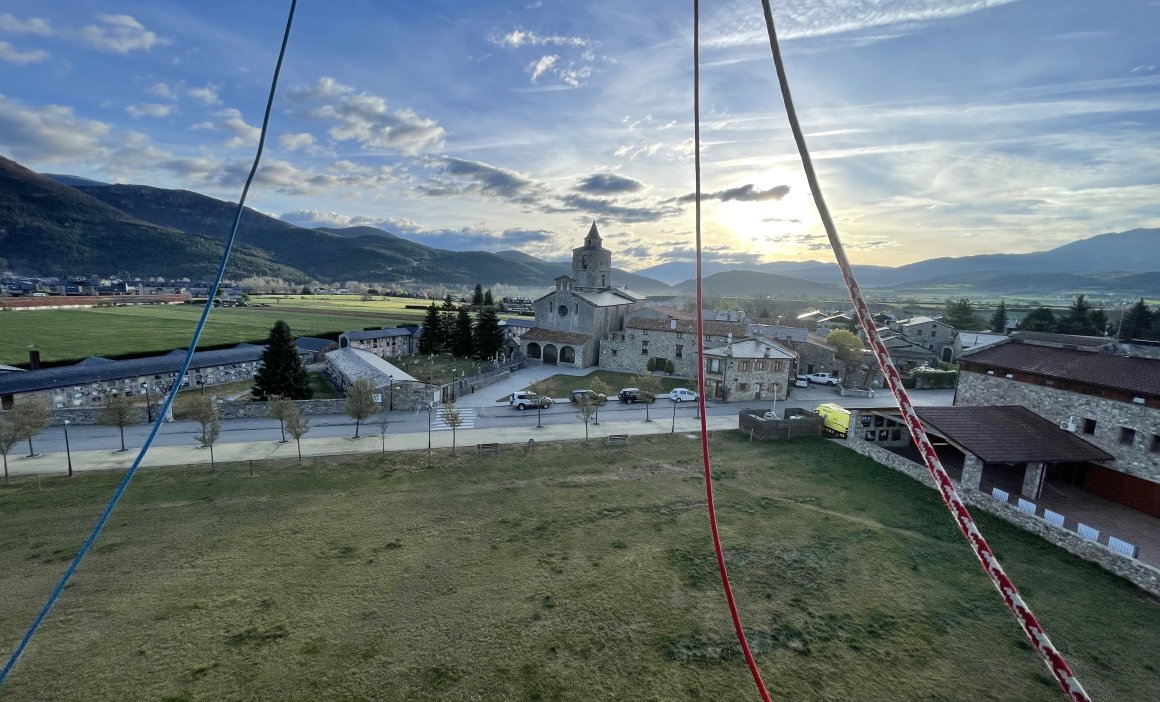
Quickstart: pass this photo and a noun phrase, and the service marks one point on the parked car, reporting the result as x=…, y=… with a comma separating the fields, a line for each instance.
x=631, y=395
x=824, y=378
x=683, y=395
x=523, y=400
x=802, y=381
x=580, y=394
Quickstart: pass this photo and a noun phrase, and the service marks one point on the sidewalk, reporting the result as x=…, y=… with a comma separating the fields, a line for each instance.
x=466, y=439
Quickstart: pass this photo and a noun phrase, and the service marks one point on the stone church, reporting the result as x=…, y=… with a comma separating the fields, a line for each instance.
x=584, y=307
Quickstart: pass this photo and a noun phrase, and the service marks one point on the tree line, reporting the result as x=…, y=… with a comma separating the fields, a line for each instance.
x=449, y=328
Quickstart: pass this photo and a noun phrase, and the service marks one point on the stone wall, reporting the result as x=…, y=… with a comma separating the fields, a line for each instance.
x=1138, y=458
x=228, y=409
x=89, y=415
x=621, y=351
x=1143, y=576
x=752, y=421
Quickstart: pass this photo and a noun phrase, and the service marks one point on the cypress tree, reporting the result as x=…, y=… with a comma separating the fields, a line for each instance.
x=281, y=372
x=432, y=331
x=999, y=319
x=488, y=335
x=488, y=301
x=462, y=344
x=477, y=297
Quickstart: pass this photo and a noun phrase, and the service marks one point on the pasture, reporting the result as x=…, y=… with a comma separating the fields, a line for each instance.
x=567, y=572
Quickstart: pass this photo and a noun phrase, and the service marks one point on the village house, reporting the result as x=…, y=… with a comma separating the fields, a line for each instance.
x=662, y=335
x=583, y=309
x=937, y=336
x=395, y=389
x=750, y=369
x=384, y=343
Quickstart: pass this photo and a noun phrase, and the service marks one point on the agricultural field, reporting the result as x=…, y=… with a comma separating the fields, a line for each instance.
x=108, y=331
x=563, y=572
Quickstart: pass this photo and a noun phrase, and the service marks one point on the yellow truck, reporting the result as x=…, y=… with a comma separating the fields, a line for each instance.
x=836, y=420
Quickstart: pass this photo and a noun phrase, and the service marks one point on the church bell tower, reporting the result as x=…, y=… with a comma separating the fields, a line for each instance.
x=592, y=263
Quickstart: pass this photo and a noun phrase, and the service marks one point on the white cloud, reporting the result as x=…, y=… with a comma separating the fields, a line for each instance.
x=368, y=120
x=739, y=25
x=208, y=94
x=297, y=142
x=120, y=34
x=11, y=54
x=542, y=66
x=162, y=90
x=32, y=25
x=149, y=109
x=231, y=122
x=47, y=134
x=524, y=37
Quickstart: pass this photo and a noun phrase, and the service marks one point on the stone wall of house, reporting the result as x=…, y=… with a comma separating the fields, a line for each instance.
x=1140, y=458
x=622, y=351
x=1142, y=575
x=815, y=358
x=750, y=378
x=228, y=409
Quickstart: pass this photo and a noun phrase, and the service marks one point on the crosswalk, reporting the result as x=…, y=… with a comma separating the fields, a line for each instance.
x=467, y=414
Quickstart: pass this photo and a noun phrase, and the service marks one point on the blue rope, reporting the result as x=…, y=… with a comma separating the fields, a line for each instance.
x=100, y=525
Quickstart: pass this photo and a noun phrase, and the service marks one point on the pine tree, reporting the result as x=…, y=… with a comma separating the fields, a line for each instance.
x=1078, y=318
x=432, y=330
x=1039, y=319
x=281, y=372
x=1099, y=320
x=961, y=315
x=999, y=319
x=488, y=301
x=1138, y=322
x=462, y=345
x=477, y=297
x=488, y=335
x=446, y=331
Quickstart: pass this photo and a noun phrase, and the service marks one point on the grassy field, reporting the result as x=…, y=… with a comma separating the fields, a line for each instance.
x=75, y=334
x=567, y=573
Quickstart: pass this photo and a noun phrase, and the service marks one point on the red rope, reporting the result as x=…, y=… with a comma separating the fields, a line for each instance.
x=701, y=371
x=1022, y=613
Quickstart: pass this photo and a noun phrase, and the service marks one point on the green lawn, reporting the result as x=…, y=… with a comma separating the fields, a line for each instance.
x=76, y=334
x=569, y=572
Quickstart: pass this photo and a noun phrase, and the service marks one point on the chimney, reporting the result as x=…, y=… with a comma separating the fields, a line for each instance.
x=34, y=357
x=729, y=338
x=767, y=352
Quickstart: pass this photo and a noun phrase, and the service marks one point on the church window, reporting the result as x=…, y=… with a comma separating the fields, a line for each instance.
x=603, y=281
x=563, y=311
x=576, y=308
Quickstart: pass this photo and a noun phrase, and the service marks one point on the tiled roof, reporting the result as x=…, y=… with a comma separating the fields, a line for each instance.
x=753, y=348
x=610, y=297
x=688, y=326
x=359, y=363
x=380, y=333
x=1008, y=434
x=780, y=332
x=558, y=337
x=313, y=343
x=1140, y=376
x=516, y=322
x=96, y=369
x=1091, y=342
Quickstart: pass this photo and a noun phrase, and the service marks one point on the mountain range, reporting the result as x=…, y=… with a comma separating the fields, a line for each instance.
x=58, y=224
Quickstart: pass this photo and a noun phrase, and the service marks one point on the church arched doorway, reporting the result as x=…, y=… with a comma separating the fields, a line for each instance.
x=567, y=354
x=550, y=354
x=533, y=350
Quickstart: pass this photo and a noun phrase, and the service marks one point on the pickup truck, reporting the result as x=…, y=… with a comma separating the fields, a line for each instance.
x=523, y=400
x=824, y=379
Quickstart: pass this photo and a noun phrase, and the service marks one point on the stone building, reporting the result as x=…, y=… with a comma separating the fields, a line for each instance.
x=1108, y=399
x=384, y=343
x=663, y=335
x=395, y=389
x=583, y=309
x=751, y=369
x=936, y=336
x=94, y=380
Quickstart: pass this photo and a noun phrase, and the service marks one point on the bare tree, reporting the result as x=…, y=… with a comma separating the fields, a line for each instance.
x=9, y=437
x=540, y=387
x=360, y=402
x=120, y=412
x=280, y=408
x=297, y=424
x=586, y=406
x=452, y=417
x=30, y=419
x=649, y=386
x=384, y=421
x=600, y=387
x=204, y=412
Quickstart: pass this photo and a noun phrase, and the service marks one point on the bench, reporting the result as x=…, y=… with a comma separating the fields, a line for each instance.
x=617, y=440
x=487, y=448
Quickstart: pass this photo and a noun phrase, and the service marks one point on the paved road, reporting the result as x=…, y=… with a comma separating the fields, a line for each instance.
x=486, y=421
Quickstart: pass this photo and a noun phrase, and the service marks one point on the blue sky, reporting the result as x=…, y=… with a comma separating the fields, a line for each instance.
x=940, y=127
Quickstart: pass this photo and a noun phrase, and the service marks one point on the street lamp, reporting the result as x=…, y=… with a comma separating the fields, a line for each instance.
x=391, y=401
x=428, y=429
x=67, y=450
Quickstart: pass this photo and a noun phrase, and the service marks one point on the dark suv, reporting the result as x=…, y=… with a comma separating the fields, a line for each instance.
x=630, y=395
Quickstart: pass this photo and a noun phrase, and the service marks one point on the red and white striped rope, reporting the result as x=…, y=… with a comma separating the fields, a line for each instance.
x=1031, y=626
